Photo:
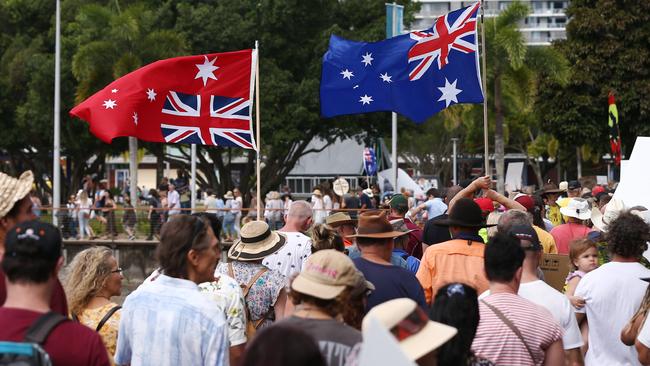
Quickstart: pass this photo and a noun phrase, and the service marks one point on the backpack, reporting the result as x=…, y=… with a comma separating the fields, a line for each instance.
x=29, y=352
x=251, y=326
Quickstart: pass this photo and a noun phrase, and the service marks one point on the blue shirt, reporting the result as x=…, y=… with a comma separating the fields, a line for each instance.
x=391, y=282
x=395, y=258
x=168, y=322
x=435, y=207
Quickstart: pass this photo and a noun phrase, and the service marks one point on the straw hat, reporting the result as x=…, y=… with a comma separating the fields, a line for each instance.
x=416, y=334
x=339, y=219
x=400, y=225
x=13, y=190
x=374, y=224
x=257, y=242
x=228, y=195
x=326, y=274
x=577, y=208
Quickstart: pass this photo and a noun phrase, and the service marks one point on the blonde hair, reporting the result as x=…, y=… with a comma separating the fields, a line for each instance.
x=86, y=276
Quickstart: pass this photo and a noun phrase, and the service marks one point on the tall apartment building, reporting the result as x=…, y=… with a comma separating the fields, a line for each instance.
x=545, y=23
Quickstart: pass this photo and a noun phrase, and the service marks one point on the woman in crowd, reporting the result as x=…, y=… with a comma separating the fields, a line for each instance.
x=93, y=277
x=282, y=345
x=109, y=214
x=322, y=295
x=263, y=288
x=84, y=204
x=324, y=237
x=154, y=214
x=456, y=305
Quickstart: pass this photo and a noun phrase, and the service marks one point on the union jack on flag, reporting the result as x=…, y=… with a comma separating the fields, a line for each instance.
x=204, y=99
x=396, y=74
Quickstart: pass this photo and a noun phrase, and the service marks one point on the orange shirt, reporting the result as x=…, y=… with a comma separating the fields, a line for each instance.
x=452, y=261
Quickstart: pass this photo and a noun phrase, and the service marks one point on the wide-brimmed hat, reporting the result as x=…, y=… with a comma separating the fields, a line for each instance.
x=374, y=224
x=368, y=192
x=577, y=208
x=228, y=195
x=257, y=242
x=13, y=190
x=550, y=188
x=339, y=218
x=326, y=274
x=464, y=213
x=416, y=334
x=400, y=225
x=612, y=210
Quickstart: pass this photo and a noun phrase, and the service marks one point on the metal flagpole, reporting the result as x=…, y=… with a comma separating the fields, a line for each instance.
x=485, y=105
x=133, y=170
x=455, y=141
x=193, y=184
x=56, y=164
x=394, y=117
x=257, y=130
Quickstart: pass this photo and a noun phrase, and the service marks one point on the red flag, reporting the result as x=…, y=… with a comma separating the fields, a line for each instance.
x=204, y=99
x=614, y=133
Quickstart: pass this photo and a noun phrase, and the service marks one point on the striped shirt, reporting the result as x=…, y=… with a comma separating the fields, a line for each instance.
x=168, y=322
x=495, y=341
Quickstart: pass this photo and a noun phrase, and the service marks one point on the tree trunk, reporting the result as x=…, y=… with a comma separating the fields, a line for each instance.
x=499, y=151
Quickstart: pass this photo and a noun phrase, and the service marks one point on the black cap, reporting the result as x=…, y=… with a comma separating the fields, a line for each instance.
x=527, y=233
x=34, y=239
x=574, y=184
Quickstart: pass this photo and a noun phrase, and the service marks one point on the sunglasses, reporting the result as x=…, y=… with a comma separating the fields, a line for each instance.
x=412, y=324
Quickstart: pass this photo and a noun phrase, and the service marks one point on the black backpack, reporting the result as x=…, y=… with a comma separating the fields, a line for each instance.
x=29, y=352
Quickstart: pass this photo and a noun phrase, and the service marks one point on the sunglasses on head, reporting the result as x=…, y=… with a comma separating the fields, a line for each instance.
x=412, y=324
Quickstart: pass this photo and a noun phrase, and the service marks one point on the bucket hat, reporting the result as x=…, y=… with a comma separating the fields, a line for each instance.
x=464, y=213
x=375, y=224
x=339, y=218
x=228, y=195
x=577, y=208
x=13, y=190
x=257, y=242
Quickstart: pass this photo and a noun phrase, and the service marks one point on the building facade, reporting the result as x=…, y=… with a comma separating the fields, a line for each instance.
x=545, y=23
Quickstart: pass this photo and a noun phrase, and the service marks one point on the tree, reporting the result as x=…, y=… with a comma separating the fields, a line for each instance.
x=607, y=48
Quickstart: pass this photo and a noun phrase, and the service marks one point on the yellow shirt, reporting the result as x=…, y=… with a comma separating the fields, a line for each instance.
x=554, y=215
x=452, y=261
x=546, y=240
x=92, y=317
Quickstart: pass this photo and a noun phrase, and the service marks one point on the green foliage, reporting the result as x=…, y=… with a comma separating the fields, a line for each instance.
x=607, y=49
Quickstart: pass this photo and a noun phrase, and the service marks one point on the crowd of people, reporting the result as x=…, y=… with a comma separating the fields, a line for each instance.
x=342, y=288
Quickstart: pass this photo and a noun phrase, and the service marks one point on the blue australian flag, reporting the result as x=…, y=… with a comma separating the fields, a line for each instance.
x=416, y=74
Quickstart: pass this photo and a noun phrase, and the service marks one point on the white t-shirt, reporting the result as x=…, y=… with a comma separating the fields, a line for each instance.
x=613, y=293
x=557, y=304
x=290, y=258
x=173, y=202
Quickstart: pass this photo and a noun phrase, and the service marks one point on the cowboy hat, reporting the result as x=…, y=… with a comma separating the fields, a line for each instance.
x=551, y=188
x=368, y=192
x=228, y=195
x=374, y=224
x=257, y=242
x=577, y=208
x=416, y=334
x=400, y=225
x=13, y=190
x=339, y=219
x=464, y=213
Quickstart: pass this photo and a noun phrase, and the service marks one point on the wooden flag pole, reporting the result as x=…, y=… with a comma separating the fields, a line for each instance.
x=257, y=129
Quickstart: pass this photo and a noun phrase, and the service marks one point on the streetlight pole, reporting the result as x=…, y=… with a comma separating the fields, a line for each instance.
x=455, y=141
x=56, y=153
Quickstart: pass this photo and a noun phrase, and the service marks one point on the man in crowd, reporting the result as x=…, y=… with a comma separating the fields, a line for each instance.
x=290, y=258
x=16, y=207
x=434, y=205
x=513, y=330
x=374, y=238
x=344, y=226
x=434, y=234
x=576, y=212
x=398, y=209
x=32, y=263
x=459, y=259
x=537, y=291
x=517, y=217
x=351, y=202
x=550, y=194
x=613, y=292
x=168, y=321
x=173, y=201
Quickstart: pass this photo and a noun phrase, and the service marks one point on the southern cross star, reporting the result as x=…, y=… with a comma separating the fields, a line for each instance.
x=366, y=99
x=206, y=70
x=135, y=118
x=347, y=74
x=386, y=78
x=449, y=93
x=367, y=59
x=113, y=91
x=110, y=104
x=151, y=95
